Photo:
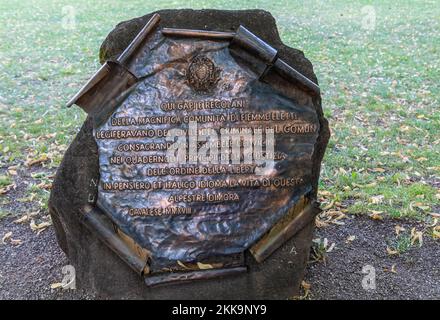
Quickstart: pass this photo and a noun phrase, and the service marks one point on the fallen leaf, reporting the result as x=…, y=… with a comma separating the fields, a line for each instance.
x=180, y=263
x=398, y=229
x=376, y=199
x=46, y=186
x=391, y=251
x=306, y=286
x=372, y=184
x=324, y=193
x=204, y=266
x=39, y=160
x=320, y=224
x=422, y=206
x=328, y=206
x=16, y=242
x=350, y=239
x=22, y=219
x=376, y=215
x=40, y=231
x=436, y=232
x=7, y=188
x=332, y=246
x=416, y=236
x=434, y=222
x=56, y=285
x=392, y=269
x=6, y=237
x=36, y=227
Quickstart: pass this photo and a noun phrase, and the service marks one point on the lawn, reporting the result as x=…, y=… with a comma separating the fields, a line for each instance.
x=377, y=63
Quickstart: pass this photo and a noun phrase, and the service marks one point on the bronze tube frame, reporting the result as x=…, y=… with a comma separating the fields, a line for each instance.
x=182, y=277
x=263, y=249
x=100, y=225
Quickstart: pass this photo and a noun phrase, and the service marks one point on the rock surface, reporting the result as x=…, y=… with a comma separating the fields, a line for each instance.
x=98, y=268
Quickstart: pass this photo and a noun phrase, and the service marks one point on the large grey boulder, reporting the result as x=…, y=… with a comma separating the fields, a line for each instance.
x=102, y=272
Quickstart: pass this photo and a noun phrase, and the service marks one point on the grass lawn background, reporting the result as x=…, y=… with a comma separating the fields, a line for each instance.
x=380, y=91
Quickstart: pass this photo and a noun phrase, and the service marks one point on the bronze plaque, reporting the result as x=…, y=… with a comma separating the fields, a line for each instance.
x=202, y=156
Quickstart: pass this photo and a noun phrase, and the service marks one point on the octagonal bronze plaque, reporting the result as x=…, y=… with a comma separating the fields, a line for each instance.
x=201, y=158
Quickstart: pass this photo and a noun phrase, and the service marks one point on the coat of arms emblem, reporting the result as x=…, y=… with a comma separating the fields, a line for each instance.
x=202, y=74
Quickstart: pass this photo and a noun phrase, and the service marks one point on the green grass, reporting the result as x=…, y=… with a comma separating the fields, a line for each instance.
x=5, y=181
x=402, y=244
x=3, y=213
x=380, y=87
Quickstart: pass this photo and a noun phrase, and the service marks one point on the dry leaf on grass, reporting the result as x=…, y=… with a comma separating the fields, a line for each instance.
x=328, y=206
x=376, y=199
x=46, y=186
x=436, y=232
x=419, y=205
x=330, y=216
x=416, y=236
x=26, y=217
x=320, y=224
x=31, y=162
x=324, y=193
x=39, y=227
x=376, y=215
x=434, y=222
x=7, y=188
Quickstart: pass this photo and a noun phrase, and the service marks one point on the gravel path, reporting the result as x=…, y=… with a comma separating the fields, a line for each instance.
x=28, y=270
x=416, y=272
